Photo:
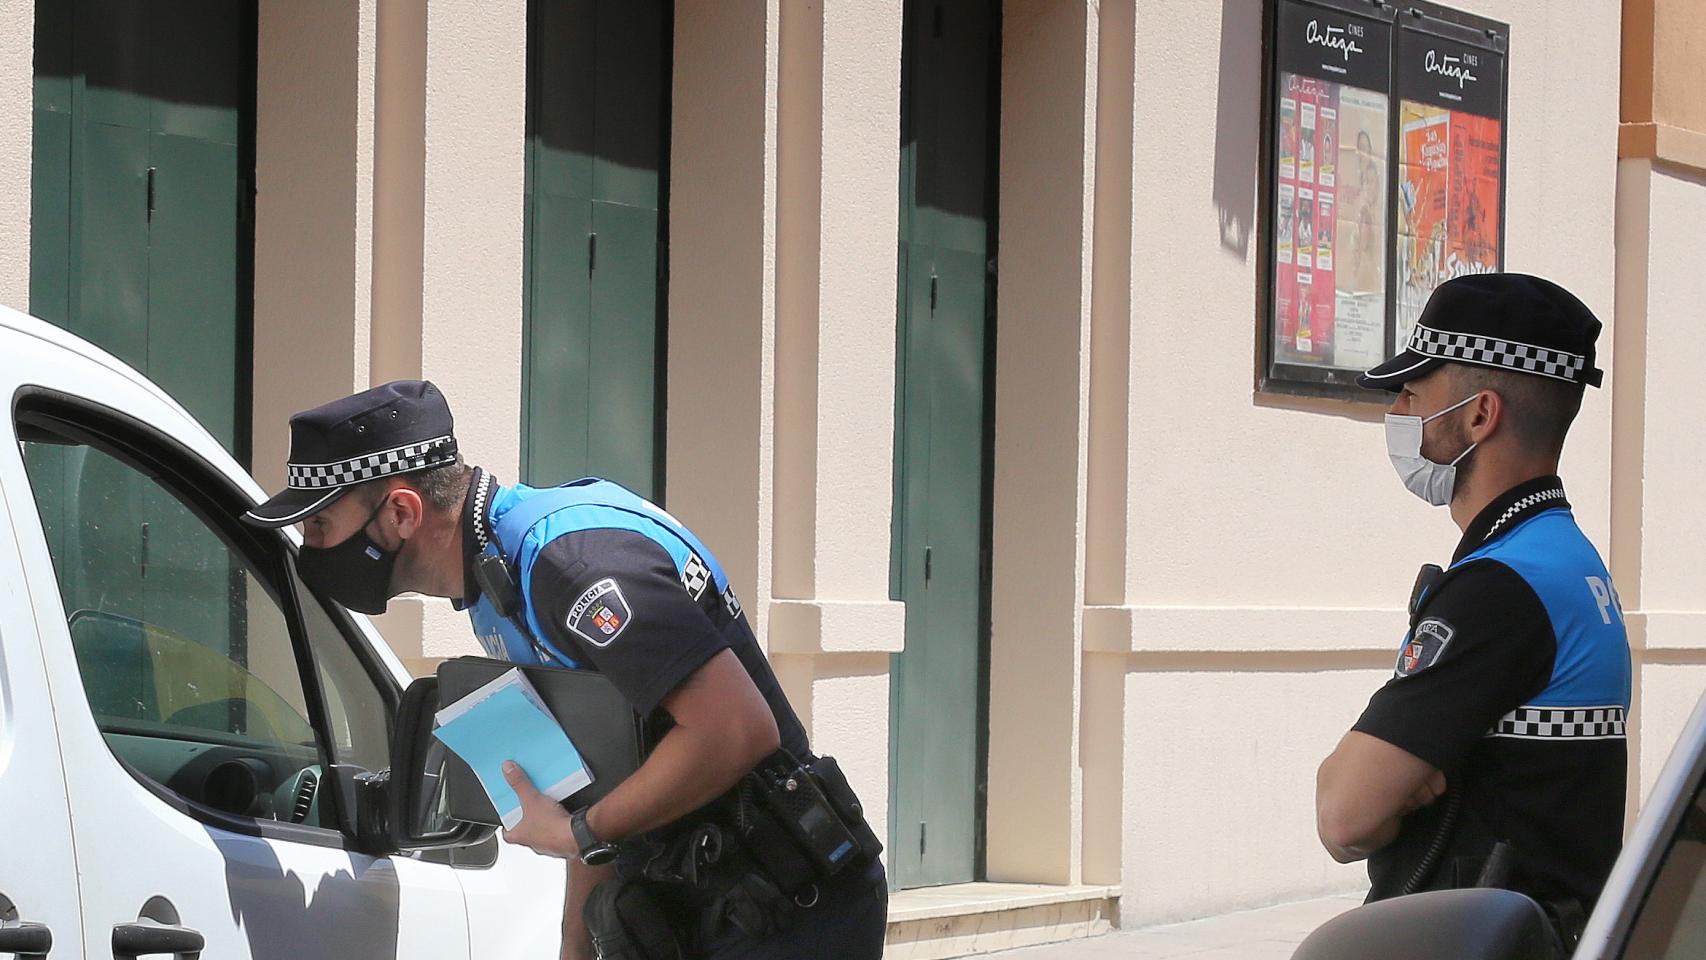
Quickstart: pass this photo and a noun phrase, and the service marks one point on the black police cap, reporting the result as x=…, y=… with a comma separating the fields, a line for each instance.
x=398, y=427
x=1508, y=321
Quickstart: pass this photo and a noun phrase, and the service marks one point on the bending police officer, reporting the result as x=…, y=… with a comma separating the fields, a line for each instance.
x=1495, y=755
x=605, y=581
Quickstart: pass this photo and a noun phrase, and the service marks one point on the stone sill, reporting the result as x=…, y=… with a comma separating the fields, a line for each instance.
x=969, y=899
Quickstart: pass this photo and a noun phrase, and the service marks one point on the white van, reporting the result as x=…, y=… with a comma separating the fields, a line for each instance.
x=189, y=736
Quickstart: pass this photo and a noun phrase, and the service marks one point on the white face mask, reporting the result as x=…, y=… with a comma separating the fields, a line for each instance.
x=1431, y=481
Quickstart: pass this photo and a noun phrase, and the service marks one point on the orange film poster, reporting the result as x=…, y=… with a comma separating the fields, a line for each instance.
x=1330, y=289
x=1448, y=202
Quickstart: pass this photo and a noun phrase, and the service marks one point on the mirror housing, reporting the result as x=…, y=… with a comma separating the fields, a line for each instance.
x=410, y=798
x=1476, y=924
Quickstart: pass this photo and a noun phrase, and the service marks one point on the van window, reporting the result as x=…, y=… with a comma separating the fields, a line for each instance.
x=1672, y=922
x=360, y=720
x=184, y=647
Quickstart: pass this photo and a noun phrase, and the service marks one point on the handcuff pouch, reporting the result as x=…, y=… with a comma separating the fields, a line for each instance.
x=627, y=921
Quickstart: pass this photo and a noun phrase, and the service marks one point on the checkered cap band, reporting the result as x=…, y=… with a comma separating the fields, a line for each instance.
x=1494, y=352
x=416, y=456
x=1562, y=723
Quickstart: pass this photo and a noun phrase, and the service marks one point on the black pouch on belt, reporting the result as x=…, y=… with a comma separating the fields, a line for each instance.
x=840, y=794
x=627, y=922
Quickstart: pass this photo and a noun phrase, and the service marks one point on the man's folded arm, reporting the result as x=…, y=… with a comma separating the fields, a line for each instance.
x=1363, y=790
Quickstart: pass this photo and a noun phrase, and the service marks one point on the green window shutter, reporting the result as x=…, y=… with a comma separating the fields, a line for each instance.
x=597, y=162
x=938, y=685
x=137, y=240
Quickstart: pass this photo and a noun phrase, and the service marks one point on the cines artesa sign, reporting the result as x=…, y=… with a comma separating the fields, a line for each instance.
x=1448, y=71
x=1334, y=44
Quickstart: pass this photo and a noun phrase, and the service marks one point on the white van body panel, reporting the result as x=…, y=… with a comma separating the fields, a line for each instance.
x=37, y=870
x=250, y=896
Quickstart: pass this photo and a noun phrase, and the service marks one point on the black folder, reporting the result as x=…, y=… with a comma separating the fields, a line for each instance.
x=598, y=719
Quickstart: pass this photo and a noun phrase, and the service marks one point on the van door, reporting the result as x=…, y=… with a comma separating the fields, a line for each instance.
x=38, y=877
x=211, y=711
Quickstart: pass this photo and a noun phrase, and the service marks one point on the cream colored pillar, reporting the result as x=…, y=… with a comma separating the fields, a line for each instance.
x=470, y=218
x=17, y=82
x=1107, y=556
x=313, y=203
x=833, y=626
x=1048, y=152
x=1659, y=450
x=722, y=283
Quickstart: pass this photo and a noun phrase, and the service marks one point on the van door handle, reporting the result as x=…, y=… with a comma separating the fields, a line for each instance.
x=145, y=937
x=27, y=940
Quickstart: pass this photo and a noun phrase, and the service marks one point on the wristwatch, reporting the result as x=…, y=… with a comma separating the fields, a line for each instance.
x=594, y=852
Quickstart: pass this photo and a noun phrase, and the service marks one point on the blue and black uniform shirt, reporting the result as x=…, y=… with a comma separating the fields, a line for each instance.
x=613, y=583
x=1514, y=680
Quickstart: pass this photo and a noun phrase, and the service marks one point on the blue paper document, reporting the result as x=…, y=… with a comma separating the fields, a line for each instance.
x=506, y=720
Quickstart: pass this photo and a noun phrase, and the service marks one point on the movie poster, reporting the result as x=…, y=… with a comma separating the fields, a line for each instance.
x=1330, y=276
x=1358, y=250
x=1450, y=174
x=1331, y=195
x=1448, y=202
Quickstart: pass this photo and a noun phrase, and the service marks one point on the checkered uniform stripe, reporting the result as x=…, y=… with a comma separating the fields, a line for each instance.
x=1562, y=723
x=372, y=466
x=1493, y=352
x=695, y=575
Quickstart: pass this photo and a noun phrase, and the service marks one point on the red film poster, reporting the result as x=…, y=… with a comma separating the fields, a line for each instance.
x=1448, y=202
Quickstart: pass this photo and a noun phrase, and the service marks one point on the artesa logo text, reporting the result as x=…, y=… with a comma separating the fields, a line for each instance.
x=1333, y=38
x=1447, y=65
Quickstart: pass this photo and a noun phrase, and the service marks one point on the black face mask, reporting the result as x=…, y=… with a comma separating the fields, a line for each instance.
x=355, y=573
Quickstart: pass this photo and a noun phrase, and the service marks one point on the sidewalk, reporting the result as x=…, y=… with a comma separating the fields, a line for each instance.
x=1271, y=933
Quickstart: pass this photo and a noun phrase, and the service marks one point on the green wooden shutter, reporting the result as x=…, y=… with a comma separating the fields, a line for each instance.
x=939, y=684
x=140, y=242
x=138, y=239
x=597, y=157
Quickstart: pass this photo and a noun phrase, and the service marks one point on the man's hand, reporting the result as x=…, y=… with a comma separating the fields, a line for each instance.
x=1364, y=789
x=1430, y=790
x=544, y=825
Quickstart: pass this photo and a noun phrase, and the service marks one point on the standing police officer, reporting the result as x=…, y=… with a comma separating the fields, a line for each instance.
x=1496, y=754
x=604, y=581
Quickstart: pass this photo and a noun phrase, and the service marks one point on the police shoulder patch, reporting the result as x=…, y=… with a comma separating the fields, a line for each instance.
x=601, y=613
x=1424, y=646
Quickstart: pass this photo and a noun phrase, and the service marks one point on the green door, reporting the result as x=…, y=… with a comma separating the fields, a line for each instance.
x=945, y=331
x=597, y=149
x=140, y=241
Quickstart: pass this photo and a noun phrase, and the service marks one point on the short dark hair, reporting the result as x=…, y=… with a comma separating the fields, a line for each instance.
x=443, y=488
x=1538, y=410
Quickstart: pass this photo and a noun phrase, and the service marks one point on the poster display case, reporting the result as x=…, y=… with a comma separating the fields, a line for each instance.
x=1383, y=170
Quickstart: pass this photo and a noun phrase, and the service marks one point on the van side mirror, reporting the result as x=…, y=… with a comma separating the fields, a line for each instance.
x=1479, y=924
x=413, y=801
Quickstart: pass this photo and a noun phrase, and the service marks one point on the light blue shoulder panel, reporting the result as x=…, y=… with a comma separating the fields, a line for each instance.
x=1551, y=554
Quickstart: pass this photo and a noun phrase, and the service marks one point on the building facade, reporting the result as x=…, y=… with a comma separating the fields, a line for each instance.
x=939, y=320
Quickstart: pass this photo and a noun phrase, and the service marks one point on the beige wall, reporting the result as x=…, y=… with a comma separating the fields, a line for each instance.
x=17, y=80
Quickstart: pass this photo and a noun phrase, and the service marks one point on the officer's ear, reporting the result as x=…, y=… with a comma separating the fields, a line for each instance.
x=403, y=511
x=1486, y=415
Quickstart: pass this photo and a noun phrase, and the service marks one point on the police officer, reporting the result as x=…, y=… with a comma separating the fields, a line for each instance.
x=606, y=581
x=1495, y=755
